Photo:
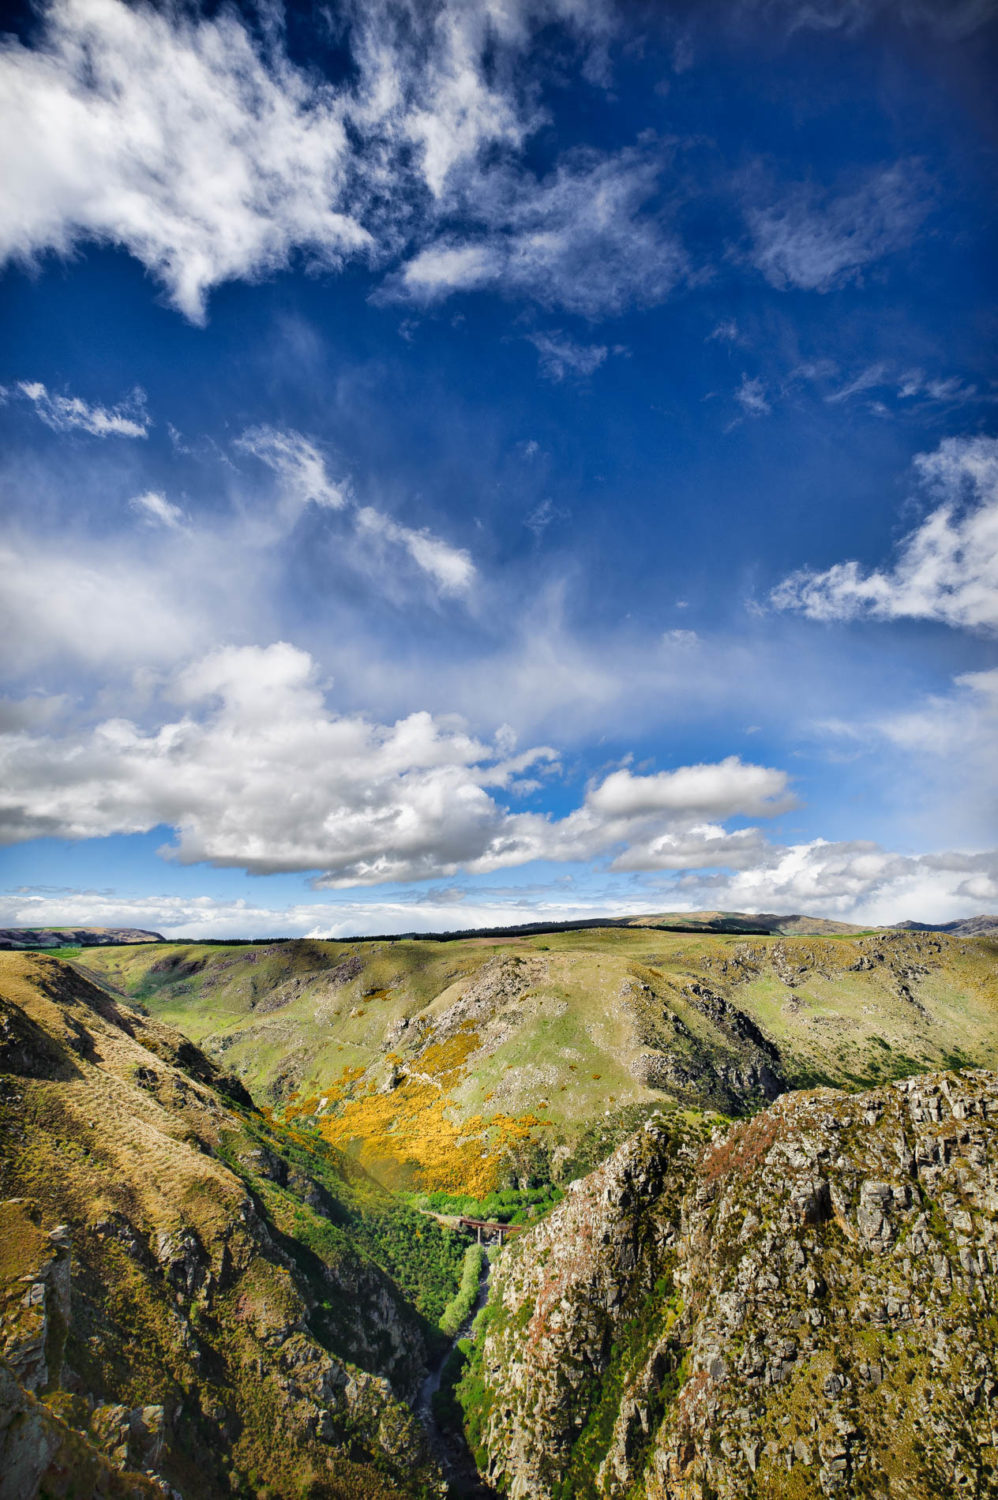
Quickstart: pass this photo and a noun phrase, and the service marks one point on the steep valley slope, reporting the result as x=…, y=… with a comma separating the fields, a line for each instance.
x=801, y=1306
x=468, y=1064
x=186, y=1292
x=204, y=1298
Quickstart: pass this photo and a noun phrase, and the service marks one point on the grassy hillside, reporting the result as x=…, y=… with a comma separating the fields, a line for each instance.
x=469, y=1064
x=231, y=1302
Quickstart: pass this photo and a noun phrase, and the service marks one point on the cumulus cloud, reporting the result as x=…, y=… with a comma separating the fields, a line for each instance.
x=719, y=790
x=856, y=881
x=72, y=413
x=258, y=773
x=817, y=242
x=945, y=570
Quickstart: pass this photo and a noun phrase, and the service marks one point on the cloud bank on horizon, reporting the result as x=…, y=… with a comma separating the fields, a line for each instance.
x=394, y=388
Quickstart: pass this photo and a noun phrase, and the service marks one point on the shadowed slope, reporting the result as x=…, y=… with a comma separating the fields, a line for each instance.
x=222, y=1273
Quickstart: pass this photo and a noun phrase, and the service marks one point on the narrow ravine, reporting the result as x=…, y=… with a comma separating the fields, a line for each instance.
x=449, y=1447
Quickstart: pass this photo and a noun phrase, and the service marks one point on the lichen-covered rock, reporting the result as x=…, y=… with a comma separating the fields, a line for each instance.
x=801, y=1306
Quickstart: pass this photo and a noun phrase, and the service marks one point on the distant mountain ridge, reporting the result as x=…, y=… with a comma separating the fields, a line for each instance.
x=74, y=937
x=965, y=927
x=743, y=923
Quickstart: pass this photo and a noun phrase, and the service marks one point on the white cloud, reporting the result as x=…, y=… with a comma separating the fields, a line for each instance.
x=452, y=81
x=204, y=153
x=157, y=509
x=450, y=568
x=435, y=910
x=444, y=268
x=300, y=467
x=959, y=725
x=259, y=774
x=560, y=356
x=719, y=790
x=856, y=881
x=818, y=242
x=304, y=479
x=196, y=144
x=751, y=397
x=69, y=413
x=97, y=607
x=946, y=569
x=582, y=238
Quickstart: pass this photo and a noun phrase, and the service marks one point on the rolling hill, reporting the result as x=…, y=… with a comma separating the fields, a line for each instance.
x=466, y=1064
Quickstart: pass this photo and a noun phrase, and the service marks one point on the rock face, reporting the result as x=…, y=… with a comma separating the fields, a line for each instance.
x=800, y=1306
x=186, y=1303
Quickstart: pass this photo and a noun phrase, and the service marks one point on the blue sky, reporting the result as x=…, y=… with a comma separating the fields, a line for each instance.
x=472, y=462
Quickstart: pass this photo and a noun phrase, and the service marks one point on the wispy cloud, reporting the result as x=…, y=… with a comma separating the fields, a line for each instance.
x=203, y=152
x=946, y=569
x=946, y=18
x=300, y=467
x=450, y=568
x=559, y=355
x=725, y=332
x=868, y=379
x=72, y=413
x=158, y=510
x=817, y=241
x=544, y=515
x=751, y=397
x=197, y=144
x=583, y=238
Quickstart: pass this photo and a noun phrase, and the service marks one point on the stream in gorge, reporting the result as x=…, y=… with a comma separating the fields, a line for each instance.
x=448, y=1446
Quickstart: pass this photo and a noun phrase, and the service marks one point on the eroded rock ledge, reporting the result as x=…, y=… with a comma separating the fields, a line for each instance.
x=800, y=1305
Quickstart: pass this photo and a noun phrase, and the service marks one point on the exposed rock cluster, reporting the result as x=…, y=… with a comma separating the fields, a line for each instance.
x=800, y=1306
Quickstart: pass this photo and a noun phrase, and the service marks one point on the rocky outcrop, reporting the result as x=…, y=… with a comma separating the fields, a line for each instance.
x=801, y=1306
x=40, y=1451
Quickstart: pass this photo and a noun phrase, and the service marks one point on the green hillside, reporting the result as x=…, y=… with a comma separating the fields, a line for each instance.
x=229, y=1302
x=463, y=1065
